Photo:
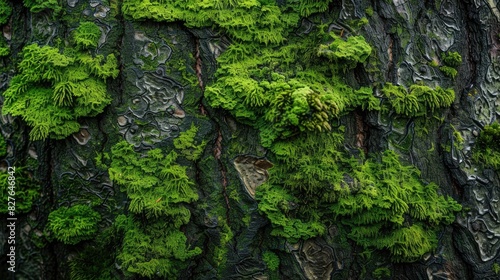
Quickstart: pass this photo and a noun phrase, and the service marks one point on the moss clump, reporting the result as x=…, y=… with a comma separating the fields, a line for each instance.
x=37, y=6
x=247, y=20
x=348, y=52
x=97, y=259
x=52, y=89
x=156, y=249
x=155, y=184
x=418, y=100
x=487, y=148
x=87, y=35
x=452, y=59
x=489, y=138
x=369, y=11
x=269, y=88
x=158, y=189
x=271, y=260
x=187, y=145
x=384, y=203
x=71, y=225
x=449, y=71
x=25, y=190
x=394, y=210
x=496, y=268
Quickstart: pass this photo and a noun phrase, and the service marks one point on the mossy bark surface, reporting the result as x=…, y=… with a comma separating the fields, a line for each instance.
x=242, y=102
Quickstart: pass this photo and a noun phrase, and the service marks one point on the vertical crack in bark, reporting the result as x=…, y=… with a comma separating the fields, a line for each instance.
x=199, y=74
x=361, y=133
x=390, y=63
x=197, y=57
x=217, y=154
x=49, y=188
x=472, y=26
x=204, y=112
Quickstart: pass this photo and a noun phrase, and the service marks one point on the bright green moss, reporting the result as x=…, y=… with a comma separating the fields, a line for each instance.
x=37, y=6
x=452, y=59
x=52, y=89
x=157, y=188
x=487, y=148
x=87, y=35
x=267, y=88
x=385, y=204
x=449, y=71
x=418, y=100
x=157, y=249
x=4, y=52
x=188, y=146
x=154, y=183
x=394, y=210
x=247, y=20
x=71, y=225
x=349, y=52
x=271, y=260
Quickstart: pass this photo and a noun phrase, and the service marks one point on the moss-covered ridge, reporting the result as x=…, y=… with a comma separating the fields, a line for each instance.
x=53, y=89
x=246, y=20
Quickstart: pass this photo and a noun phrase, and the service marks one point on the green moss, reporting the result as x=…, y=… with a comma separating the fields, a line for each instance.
x=71, y=225
x=5, y=11
x=188, y=146
x=418, y=100
x=369, y=11
x=487, y=148
x=381, y=273
x=452, y=59
x=158, y=189
x=433, y=63
x=226, y=235
x=18, y=183
x=458, y=140
x=489, y=137
x=449, y=71
x=97, y=260
x=154, y=183
x=87, y=35
x=52, y=89
x=248, y=20
x=496, y=268
x=37, y=6
x=3, y=146
x=394, y=210
x=267, y=88
x=349, y=52
x=157, y=249
x=4, y=52
x=271, y=260
x=384, y=203
x=305, y=176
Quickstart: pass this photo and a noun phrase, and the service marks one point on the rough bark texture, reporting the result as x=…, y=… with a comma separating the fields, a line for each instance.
x=159, y=93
